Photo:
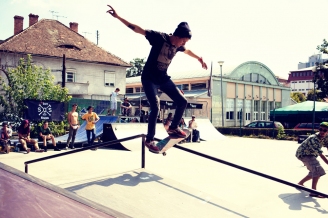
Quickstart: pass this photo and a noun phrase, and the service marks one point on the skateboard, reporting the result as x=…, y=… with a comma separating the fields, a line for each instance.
x=169, y=142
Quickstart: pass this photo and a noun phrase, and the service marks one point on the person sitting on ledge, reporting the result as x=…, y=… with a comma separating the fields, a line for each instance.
x=45, y=135
x=5, y=134
x=24, y=137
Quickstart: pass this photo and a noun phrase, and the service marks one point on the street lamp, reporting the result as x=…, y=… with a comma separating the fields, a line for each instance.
x=221, y=63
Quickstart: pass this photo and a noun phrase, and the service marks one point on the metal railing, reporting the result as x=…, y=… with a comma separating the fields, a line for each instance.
x=97, y=145
x=143, y=136
x=249, y=170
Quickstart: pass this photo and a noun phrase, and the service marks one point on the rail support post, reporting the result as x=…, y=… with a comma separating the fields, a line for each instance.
x=26, y=168
x=143, y=138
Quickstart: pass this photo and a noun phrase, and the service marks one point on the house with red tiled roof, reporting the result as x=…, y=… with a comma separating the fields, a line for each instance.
x=90, y=70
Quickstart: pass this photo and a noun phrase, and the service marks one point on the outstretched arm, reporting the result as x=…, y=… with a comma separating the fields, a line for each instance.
x=200, y=59
x=133, y=27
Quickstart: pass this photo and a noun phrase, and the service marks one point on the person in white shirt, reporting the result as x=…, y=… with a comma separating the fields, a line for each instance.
x=5, y=134
x=193, y=126
x=113, y=101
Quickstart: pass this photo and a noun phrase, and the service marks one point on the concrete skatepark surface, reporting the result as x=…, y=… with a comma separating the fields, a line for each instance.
x=184, y=185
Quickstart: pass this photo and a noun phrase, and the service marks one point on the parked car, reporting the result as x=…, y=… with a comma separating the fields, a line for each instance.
x=307, y=126
x=264, y=124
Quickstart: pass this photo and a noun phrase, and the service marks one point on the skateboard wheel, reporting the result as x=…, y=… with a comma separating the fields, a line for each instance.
x=164, y=153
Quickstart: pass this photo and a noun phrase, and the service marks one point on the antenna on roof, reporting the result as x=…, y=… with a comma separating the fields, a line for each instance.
x=53, y=12
x=85, y=33
x=59, y=16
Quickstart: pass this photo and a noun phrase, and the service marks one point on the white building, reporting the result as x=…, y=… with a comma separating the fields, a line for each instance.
x=301, y=80
x=90, y=70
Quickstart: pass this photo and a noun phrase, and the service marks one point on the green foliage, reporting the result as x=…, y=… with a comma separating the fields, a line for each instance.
x=28, y=81
x=323, y=47
x=137, y=67
x=298, y=97
x=281, y=133
x=57, y=128
x=310, y=96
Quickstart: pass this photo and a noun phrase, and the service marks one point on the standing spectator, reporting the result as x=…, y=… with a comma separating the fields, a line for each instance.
x=45, y=135
x=24, y=137
x=126, y=107
x=154, y=75
x=113, y=101
x=91, y=118
x=193, y=126
x=308, y=152
x=182, y=124
x=5, y=134
x=73, y=121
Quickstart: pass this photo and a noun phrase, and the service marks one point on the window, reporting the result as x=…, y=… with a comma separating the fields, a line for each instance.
x=256, y=105
x=185, y=86
x=255, y=77
x=109, y=78
x=70, y=77
x=129, y=90
x=239, y=115
x=138, y=89
x=247, y=116
x=256, y=116
x=229, y=115
x=196, y=86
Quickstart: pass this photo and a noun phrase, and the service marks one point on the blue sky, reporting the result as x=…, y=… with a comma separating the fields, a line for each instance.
x=277, y=33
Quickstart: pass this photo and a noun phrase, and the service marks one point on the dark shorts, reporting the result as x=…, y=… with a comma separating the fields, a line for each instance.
x=313, y=165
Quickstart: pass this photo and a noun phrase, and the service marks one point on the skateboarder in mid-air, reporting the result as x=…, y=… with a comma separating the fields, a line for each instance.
x=154, y=75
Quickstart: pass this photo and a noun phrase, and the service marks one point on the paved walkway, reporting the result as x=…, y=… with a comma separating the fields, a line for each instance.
x=184, y=185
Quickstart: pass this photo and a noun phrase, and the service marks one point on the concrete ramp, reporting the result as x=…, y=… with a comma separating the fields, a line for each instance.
x=116, y=131
x=22, y=195
x=141, y=193
x=207, y=131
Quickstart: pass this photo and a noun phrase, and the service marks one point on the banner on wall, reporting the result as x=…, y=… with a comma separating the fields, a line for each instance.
x=38, y=110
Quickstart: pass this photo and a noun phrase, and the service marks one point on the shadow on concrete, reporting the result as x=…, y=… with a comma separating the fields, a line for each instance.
x=129, y=180
x=297, y=201
x=125, y=179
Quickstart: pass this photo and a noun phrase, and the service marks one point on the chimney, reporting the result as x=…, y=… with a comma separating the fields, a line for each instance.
x=18, y=24
x=74, y=26
x=33, y=19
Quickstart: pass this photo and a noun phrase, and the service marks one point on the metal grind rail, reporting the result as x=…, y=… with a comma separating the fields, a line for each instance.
x=97, y=145
x=250, y=171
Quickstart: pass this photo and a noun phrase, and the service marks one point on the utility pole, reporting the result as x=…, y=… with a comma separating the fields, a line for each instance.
x=97, y=37
x=64, y=71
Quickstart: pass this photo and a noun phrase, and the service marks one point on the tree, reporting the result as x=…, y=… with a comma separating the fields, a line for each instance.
x=310, y=95
x=321, y=71
x=137, y=67
x=28, y=81
x=298, y=97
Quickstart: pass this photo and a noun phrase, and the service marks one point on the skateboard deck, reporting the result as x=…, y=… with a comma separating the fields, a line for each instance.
x=169, y=142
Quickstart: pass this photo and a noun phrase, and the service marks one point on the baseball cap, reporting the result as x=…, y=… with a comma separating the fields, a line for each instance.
x=324, y=124
x=89, y=107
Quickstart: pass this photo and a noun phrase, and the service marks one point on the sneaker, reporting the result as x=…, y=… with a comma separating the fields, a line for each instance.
x=41, y=150
x=56, y=149
x=152, y=147
x=28, y=150
x=45, y=150
x=71, y=147
x=176, y=132
x=66, y=148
